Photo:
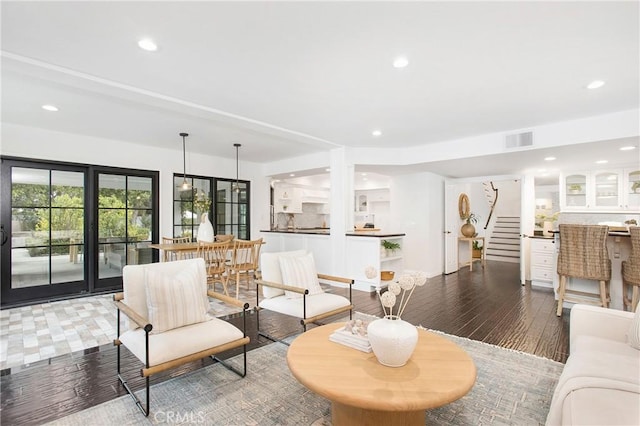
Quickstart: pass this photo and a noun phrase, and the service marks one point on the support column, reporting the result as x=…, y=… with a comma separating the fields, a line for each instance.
x=341, y=207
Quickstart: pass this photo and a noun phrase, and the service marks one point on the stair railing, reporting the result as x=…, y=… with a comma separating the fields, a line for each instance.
x=493, y=199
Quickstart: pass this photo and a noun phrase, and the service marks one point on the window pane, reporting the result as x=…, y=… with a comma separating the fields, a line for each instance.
x=67, y=189
x=182, y=231
x=139, y=253
x=29, y=187
x=187, y=215
x=139, y=195
x=177, y=184
x=66, y=264
x=111, y=224
x=30, y=227
x=111, y=191
x=29, y=267
x=224, y=189
x=139, y=225
x=114, y=258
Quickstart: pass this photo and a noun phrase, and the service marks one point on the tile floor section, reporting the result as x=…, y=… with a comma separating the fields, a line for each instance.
x=38, y=332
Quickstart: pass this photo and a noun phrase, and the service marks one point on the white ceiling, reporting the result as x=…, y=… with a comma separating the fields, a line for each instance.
x=286, y=79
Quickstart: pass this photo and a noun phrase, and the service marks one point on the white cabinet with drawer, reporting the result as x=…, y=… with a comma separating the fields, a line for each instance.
x=543, y=268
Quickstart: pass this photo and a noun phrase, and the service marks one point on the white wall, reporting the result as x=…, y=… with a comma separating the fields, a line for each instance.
x=417, y=209
x=30, y=142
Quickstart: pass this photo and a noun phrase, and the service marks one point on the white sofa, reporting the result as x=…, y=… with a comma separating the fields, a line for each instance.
x=600, y=384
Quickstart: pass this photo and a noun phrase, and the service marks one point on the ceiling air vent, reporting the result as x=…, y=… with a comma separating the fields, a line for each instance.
x=519, y=140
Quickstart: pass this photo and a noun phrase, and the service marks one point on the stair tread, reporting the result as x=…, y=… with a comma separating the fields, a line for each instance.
x=504, y=243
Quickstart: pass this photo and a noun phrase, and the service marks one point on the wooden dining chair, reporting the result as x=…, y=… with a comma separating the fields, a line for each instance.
x=244, y=262
x=215, y=256
x=168, y=256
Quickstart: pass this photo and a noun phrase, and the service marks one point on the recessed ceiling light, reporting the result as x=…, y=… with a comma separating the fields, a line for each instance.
x=595, y=84
x=50, y=107
x=376, y=133
x=400, y=62
x=601, y=162
x=292, y=174
x=627, y=148
x=363, y=174
x=148, y=45
x=327, y=170
x=549, y=158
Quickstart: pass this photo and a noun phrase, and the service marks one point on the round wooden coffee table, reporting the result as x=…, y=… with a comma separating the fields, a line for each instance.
x=363, y=391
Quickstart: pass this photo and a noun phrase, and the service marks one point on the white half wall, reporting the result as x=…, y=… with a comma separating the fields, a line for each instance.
x=417, y=209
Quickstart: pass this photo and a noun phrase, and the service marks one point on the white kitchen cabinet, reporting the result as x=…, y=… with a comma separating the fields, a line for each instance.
x=317, y=197
x=606, y=190
x=287, y=200
x=573, y=191
x=371, y=200
x=542, y=261
x=631, y=189
x=600, y=191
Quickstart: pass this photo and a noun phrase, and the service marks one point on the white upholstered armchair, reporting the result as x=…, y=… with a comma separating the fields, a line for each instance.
x=167, y=323
x=290, y=286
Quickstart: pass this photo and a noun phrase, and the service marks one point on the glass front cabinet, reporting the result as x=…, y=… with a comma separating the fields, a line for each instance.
x=603, y=191
x=631, y=189
x=573, y=191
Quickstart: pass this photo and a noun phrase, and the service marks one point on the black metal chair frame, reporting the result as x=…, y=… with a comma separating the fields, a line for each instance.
x=304, y=292
x=147, y=370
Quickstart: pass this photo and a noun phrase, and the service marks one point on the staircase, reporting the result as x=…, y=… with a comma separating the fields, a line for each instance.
x=504, y=244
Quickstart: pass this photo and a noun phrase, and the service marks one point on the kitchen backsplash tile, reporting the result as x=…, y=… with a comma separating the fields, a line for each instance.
x=595, y=218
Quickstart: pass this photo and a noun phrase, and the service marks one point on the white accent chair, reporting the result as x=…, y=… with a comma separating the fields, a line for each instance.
x=290, y=286
x=167, y=323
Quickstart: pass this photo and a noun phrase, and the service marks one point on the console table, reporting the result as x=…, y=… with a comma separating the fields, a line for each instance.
x=470, y=240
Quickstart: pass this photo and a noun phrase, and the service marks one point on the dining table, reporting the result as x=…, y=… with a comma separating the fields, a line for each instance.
x=178, y=250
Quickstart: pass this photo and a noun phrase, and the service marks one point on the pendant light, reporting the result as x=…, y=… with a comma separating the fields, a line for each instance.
x=237, y=185
x=185, y=184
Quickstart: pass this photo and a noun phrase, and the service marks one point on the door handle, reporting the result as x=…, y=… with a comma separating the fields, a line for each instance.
x=4, y=235
x=447, y=232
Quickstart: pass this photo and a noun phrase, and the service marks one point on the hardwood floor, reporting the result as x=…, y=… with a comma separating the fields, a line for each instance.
x=488, y=305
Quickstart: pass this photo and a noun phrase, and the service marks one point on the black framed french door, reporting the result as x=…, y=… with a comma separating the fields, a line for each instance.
x=126, y=222
x=45, y=231
x=69, y=229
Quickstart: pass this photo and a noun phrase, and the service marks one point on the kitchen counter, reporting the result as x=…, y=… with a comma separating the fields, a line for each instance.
x=376, y=234
x=325, y=231
x=611, y=233
x=313, y=231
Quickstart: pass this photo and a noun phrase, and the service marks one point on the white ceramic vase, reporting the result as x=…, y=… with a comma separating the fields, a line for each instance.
x=392, y=340
x=205, y=230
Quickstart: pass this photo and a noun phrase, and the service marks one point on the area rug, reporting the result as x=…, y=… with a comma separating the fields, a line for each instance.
x=512, y=388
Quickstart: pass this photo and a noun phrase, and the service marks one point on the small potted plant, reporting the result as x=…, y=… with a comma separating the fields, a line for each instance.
x=575, y=188
x=477, y=250
x=390, y=247
x=635, y=187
